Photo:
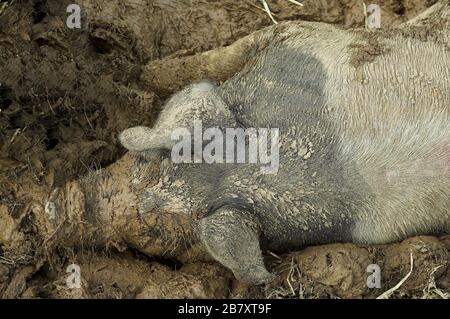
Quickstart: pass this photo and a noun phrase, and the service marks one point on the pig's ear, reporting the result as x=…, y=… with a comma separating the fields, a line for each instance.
x=139, y=139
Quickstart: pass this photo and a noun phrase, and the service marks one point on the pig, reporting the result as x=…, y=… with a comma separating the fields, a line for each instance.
x=364, y=146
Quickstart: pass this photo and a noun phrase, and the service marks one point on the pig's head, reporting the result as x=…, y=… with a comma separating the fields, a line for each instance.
x=164, y=186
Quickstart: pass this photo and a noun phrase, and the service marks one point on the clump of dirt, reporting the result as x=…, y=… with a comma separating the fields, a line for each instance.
x=126, y=276
x=65, y=94
x=344, y=270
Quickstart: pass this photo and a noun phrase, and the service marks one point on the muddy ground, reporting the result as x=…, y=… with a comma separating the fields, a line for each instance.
x=66, y=94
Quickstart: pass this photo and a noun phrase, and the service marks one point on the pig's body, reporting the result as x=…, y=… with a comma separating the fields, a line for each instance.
x=364, y=148
x=364, y=153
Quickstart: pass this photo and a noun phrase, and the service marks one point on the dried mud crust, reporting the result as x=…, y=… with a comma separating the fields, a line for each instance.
x=64, y=96
x=328, y=271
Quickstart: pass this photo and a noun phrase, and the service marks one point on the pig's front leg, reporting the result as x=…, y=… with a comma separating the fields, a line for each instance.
x=231, y=236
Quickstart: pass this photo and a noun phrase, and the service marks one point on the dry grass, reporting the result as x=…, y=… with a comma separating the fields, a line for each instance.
x=4, y=6
x=293, y=287
x=267, y=9
x=433, y=292
x=387, y=294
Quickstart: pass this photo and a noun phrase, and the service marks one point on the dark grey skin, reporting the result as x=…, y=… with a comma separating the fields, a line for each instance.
x=362, y=160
